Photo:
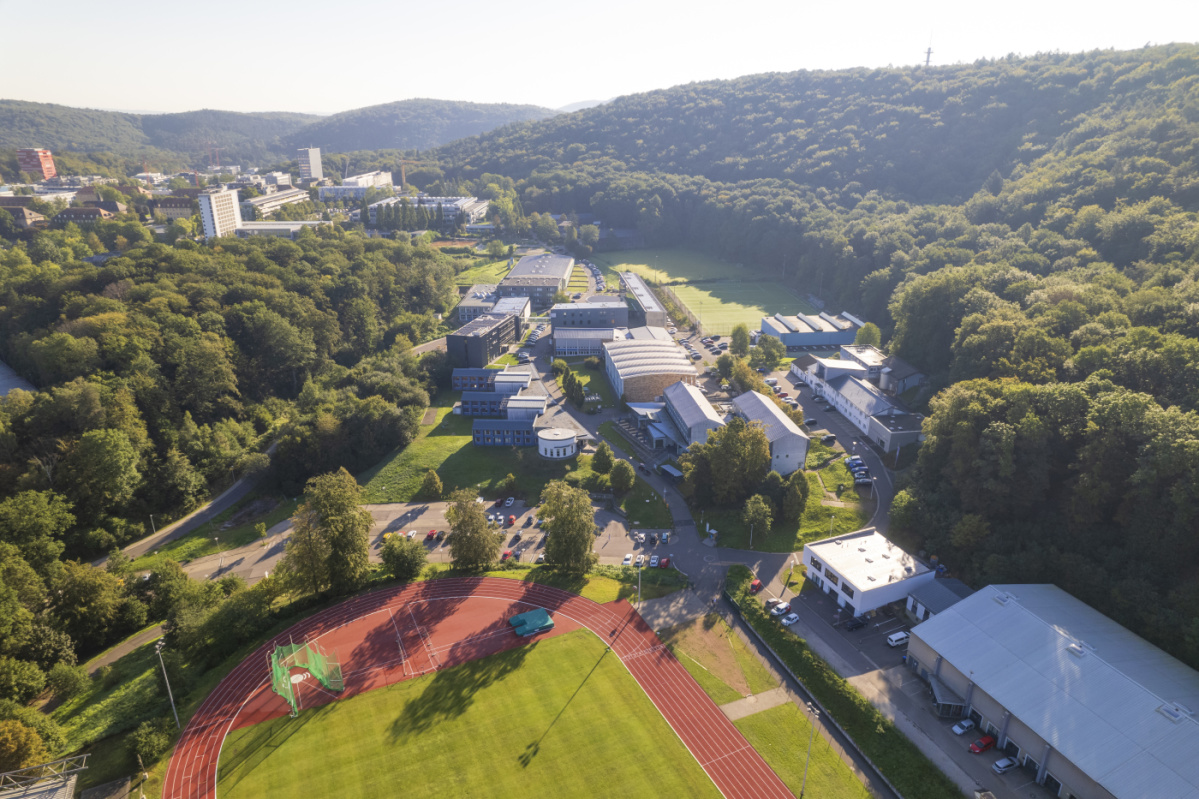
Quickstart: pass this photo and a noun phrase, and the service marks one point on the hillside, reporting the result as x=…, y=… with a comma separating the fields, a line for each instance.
x=410, y=125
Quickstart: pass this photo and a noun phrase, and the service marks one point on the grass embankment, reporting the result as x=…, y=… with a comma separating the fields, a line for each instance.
x=524, y=722
x=210, y=538
x=899, y=759
x=492, y=272
x=603, y=584
x=815, y=524
x=780, y=735
x=718, y=659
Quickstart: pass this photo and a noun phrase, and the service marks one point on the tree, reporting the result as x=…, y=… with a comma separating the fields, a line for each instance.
x=622, y=477
x=757, y=514
x=768, y=352
x=403, y=558
x=20, y=747
x=35, y=522
x=601, y=461
x=431, y=488
x=869, y=335
x=100, y=473
x=151, y=739
x=495, y=249
x=85, y=603
x=48, y=647
x=795, y=498
x=570, y=525
x=329, y=543
x=67, y=681
x=773, y=487
x=473, y=545
x=20, y=680
x=739, y=340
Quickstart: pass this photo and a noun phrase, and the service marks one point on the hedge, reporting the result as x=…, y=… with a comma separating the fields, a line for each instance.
x=900, y=761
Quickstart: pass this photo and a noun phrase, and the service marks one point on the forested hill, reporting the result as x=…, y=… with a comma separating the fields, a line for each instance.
x=60, y=127
x=928, y=135
x=410, y=124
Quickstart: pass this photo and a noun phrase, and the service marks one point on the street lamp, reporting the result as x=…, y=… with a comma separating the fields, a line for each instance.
x=790, y=573
x=831, y=519
x=814, y=716
x=158, y=648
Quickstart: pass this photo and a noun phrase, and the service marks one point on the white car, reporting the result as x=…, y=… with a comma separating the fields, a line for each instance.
x=780, y=609
x=412, y=533
x=790, y=619
x=653, y=562
x=628, y=560
x=491, y=517
x=964, y=726
x=508, y=502
x=1004, y=765
x=540, y=558
x=640, y=537
x=640, y=561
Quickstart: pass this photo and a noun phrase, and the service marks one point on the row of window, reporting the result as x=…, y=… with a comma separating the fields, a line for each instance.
x=518, y=439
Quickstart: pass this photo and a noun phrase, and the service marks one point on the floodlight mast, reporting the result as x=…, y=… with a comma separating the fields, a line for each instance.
x=158, y=648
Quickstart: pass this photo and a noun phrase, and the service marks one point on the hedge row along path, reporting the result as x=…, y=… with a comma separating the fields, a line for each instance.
x=402, y=632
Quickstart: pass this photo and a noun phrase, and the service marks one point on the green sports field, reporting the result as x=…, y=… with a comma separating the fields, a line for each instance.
x=561, y=718
x=721, y=294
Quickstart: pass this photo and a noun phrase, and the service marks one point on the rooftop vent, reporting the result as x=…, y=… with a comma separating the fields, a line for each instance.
x=870, y=577
x=1076, y=650
x=1173, y=711
x=885, y=555
x=870, y=560
x=1002, y=599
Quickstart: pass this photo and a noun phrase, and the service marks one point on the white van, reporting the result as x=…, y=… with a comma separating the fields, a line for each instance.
x=898, y=639
x=771, y=381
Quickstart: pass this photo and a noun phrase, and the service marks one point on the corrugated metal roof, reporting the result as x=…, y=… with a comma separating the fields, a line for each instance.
x=584, y=333
x=754, y=407
x=649, y=334
x=1079, y=680
x=860, y=394
x=691, y=406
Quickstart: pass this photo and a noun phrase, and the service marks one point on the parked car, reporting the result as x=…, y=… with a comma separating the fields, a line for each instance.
x=983, y=744
x=512, y=521
x=863, y=480
x=809, y=422
x=490, y=518
x=432, y=534
x=780, y=609
x=540, y=558
x=412, y=533
x=716, y=338
x=507, y=554
x=640, y=537
x=508, y=502
x=664, y=563
x=1004, y=764
x=441, y=535
x=641, y=467
x=784, y=394
x=856, y=623
x=755, y=586
x=653, y=562
x=898, y=639
x=829, y=440
x=772, y=603
x=964, y=726
x=653, y=539
x=528, y=521
x=628, y=560
x=640, y=561
x=789, y=619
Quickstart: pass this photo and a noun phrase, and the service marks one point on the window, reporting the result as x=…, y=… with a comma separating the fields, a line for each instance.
x=845, y=589
x=816, y=564
x=833, y=579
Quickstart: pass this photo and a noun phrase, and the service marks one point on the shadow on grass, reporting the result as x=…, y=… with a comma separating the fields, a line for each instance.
x=526, y=757
x=263, y=740
x=450, y=693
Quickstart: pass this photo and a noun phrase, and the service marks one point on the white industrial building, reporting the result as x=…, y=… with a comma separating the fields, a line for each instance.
x=452, y=209
x=863, y=570
x=355, y=187
x=788, y=444
x=690, y=412
x=812, y=330
x=1089, y=710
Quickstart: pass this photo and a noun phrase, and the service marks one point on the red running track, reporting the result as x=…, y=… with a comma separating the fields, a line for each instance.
x=400, y=633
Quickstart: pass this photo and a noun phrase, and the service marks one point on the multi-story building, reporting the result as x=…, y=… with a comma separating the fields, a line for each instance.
x=452, y=209
x=25, y=218
x=788, y=444
x=690, y=412
x=863, y=570
x=503, y=433
x=282, y=230
x=646, y=308
x=356, y=187
x=39, y=163
x=589, y=314
x=482, y=340
x=81, y=215
x=219, y=212
x=538, y=277
x=175, y=207
x=310, y=163
x=262, y=207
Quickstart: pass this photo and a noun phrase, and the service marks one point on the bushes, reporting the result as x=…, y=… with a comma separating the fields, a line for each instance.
x=403, y=558
x=20, y=680
x=896, y=757
x=150, y=740
x=593, y=363
x=622, y=477
x=67, y=681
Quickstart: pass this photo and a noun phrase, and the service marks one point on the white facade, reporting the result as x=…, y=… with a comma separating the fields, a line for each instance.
x=220, y=212
x=310, y=163
x=788, y=444
x=556, y=443
x=355, y=187
x=863, y=570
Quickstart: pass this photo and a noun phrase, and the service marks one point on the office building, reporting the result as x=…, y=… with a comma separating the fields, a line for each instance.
x=81, y=215
x=175, y=207
x=538, y=277
x=220, y=212
x=788, y=444
x=482, y=340
x=863, y=570
x=257, y=208
x=38, y=163
x=598, y=313
x=310, y=163
x=646, y=310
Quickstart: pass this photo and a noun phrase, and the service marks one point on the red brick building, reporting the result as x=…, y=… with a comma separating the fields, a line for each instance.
x=39, y=163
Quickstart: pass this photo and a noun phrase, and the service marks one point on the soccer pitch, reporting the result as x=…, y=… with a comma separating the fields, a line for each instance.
x=560, y=717
x=721, y=294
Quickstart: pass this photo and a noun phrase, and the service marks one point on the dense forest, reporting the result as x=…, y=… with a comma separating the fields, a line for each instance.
x=162, y=375
x=1023, y=230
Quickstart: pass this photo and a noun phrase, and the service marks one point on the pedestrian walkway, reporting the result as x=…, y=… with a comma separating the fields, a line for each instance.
x=740, y=708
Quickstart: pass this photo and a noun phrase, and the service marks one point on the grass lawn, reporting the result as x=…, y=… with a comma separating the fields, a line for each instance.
x=645, y=507
x=616, y=439
x=780, y=735
x=603, y=584
x=446, y=447
x=559, y=717
x=210, y=538
x=718, y=659
x=595, y=382
x=784, y=538
x=507, y=359
x=694, y=277
x=493, y=272
x=578, y=280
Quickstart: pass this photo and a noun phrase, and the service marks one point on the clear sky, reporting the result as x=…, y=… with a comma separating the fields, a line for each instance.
x=324, y=57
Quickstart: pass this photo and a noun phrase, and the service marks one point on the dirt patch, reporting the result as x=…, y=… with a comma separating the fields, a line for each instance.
x=455, y=243
x=259, y=507
x=706, y=641
x=430, y=416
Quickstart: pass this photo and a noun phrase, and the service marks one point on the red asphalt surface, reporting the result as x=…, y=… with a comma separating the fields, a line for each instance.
x=400, y=633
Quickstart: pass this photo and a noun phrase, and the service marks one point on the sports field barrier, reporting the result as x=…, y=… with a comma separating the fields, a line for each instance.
x=308, y=655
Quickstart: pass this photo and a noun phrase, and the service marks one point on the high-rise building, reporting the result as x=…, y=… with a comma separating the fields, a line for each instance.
x=310, y=163
x=220, y=212
x=39, y=163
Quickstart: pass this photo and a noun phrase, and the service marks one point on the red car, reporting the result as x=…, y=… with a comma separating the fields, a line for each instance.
x=429, y=536
x=511, y=520
x=755, y=586
x=664, y=563
x=508, y=553
x=982, y=744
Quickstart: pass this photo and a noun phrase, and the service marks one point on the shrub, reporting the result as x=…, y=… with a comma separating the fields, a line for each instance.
x=46, y=727
x=559, y=367
x=107, y=677
x=403, y=558
x=150, y=740
x=67, y=681
x=601, y=461
x=431, y=488
x=20, y=746
x=20, y=680
x=592, y=362
x=622, y=477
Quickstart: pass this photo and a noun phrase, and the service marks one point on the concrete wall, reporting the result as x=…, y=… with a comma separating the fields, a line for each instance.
x=788, y=453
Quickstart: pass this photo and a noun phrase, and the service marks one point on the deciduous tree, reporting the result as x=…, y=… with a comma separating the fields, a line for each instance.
x=757, y=514
x=473, y=544
x=20, y=747
x=622, y=477
x=601, y=462
x=404, y=558
x=570, y=525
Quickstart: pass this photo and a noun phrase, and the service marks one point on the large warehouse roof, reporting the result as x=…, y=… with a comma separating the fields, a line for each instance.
x=691, y=406
x=637, y=357
x=1113, y=704
x=636, y=286
x=546, y=265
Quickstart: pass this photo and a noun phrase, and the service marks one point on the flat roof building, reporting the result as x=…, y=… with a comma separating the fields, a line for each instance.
x=597, y=313
x=844, y=383
x=807, y=330
x=538, y=277
x=283, y=230
x=220, y=212
x=863, y=570
x=646, y=308
x=38, y=163
x=1087, y=707
x=478, y=299
x=892, y=374
x=579, y=342
x=640, y=370
x=310, y=163
x=788, y=444
x=260, y=208
x=518, y=306
x=482, y=340
x=355, y=187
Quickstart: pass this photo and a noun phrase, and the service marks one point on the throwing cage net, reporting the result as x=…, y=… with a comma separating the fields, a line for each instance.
x=309, y=656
